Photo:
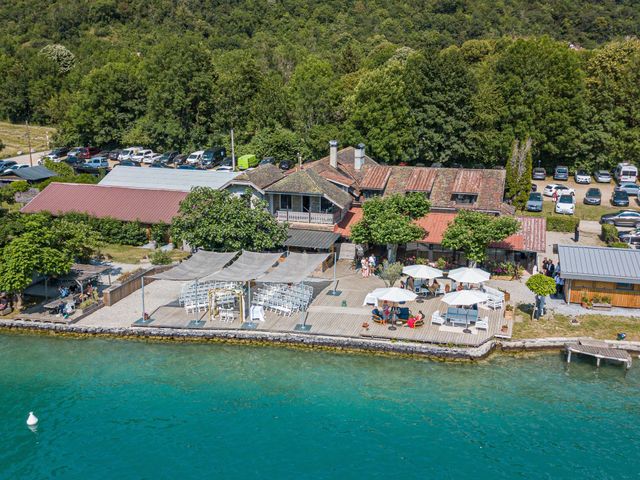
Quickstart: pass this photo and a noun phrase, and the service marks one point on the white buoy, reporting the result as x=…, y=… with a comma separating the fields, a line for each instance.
x=32, y=420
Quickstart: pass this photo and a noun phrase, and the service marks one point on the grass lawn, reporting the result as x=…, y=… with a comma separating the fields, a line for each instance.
x=14, y=137
x=133, y=255
x=602, y=327
x=583, y=212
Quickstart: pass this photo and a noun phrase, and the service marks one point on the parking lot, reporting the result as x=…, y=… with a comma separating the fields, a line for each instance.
x=581, y=190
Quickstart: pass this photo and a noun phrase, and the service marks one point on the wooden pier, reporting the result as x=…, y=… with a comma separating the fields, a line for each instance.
x=600, y=351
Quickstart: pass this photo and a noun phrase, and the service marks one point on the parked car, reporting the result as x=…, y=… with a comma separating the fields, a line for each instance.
x=619, y=198
x=128, y=152
x=155, y=158
x=561, y=173
x=6, y=165
x=534, y=204
x=539, y=173
x=56, y=154
x=74, y=151
x=593, y=197
x=128, y=163
x=247, y=161
x=602, y=176
x=97, y=162
x=180, y=159
x=267, y=161
x=113, y=154
x=195, y=157
x=15, y=168
x=581, y=176
x=631, y=188
x=143, y=156
x=168, y=157
x=73, y=160
x=159, y=165
x=86, y=153
x=623, y=218
x=560, y=189
x=226, y=165
x=626, y=235
x=566, y=205
x=213, y=156
x=187, y=166
x=285, y=165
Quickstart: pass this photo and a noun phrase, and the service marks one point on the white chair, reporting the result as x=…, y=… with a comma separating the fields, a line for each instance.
x=483, y=324
x=437, y=318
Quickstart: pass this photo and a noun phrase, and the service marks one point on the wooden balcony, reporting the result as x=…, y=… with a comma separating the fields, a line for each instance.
x=307, y=217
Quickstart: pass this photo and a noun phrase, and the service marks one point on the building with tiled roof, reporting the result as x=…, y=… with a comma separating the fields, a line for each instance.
x=256, y=180
x=147, y=206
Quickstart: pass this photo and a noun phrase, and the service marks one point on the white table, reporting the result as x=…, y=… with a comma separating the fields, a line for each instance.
x=257, y=313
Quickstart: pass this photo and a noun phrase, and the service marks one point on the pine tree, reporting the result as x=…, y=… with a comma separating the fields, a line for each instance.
x=525, y=170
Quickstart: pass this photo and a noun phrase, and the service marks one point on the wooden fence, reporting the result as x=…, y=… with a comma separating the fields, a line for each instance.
x=120, y=290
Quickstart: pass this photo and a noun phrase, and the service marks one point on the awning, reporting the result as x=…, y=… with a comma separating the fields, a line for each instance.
x=301, y=238
x=295, y=268
x=200, y=264
x=249, y=266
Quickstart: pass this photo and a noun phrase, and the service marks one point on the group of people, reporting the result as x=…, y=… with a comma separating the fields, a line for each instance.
x=553, y=271
x=391, y=313
x=368, y=265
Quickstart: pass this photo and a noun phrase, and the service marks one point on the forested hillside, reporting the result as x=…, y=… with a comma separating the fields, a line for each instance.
x=451, y=81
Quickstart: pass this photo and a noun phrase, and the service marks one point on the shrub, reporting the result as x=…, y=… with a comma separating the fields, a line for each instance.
x=441, y=263
x=541, y=284
x=609, y=233
x=618, y=244
x=391, y=272
x=561, y=224
x=160, y=233
x=160, y=257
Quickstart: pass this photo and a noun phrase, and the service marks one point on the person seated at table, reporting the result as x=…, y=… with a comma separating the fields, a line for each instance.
x=63, y=291
x=68, y=309
x=434, y=287
x=416, y=321
x=377, y=315
x=386, y=312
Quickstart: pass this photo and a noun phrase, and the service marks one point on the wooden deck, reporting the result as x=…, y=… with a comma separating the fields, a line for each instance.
x=345, y=316
x=599, y=351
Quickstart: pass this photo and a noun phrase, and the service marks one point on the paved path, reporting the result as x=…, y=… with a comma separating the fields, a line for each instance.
x=25, y=158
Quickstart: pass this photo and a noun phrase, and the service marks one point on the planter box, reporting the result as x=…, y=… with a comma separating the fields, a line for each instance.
x=601, y=306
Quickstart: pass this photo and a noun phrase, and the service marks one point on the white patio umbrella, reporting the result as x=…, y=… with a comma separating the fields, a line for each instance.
x=394, y=294
x=422, y=271
x=465, y=298
x=469, y=275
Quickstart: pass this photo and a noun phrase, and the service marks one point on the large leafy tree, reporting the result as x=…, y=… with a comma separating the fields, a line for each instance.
x=471, y=232
x=220, y=221
x=389, y=221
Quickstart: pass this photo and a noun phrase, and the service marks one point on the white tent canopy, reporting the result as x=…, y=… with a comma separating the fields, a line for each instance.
x=393, y=294
x=249, y=266
x=465, y=297
x=469, y=275
x=199, y=265
x=295, y=268
x=424, y=272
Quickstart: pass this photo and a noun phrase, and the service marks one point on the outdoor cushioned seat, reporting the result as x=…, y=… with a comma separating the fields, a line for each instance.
x=376, y=316
x=404, y=313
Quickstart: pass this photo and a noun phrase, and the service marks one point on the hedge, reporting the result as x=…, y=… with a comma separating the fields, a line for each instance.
x=112, y=230
x=561, y=224
x=609, y=233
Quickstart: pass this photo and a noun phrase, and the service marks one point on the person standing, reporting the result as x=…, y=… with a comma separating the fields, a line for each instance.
x=372, y=262
x=365, y=267
x=551, y=269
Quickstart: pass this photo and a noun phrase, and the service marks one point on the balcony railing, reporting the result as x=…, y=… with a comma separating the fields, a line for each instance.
x=307, y=217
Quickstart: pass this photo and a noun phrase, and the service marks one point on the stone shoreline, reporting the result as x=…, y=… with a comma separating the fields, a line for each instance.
x=352, y=344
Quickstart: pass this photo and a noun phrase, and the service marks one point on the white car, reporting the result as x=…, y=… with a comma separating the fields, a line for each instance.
x=560, y=189
x=97, y=162
x=195, y=157
x=143, y=156
x=155, y=158
x=566, y=205
x=582, y=176
x=128, y=152
x=13, y=169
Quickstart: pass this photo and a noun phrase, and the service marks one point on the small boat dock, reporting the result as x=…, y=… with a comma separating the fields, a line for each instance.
x=600, y=351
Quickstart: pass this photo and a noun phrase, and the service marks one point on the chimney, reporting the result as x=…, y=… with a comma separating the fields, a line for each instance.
x=333, y=153
x=358, y=160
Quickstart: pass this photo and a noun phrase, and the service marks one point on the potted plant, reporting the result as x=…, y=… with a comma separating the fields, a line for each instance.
x=585, y=302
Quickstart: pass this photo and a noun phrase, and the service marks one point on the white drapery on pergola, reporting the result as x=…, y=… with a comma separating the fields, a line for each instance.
x=198, y=266
x=249, y=266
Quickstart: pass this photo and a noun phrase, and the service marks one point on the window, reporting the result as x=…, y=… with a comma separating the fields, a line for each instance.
x=306, y=204
x=326, y=206
x=285, y=202
x=371, y=193
x=624, y=286
x=464, y=198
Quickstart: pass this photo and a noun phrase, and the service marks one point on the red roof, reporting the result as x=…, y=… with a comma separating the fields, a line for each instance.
x=375, y=178
x=468, y=181
x=353, y=216
x=435, y=224
x=127, y=204
x=421, y=180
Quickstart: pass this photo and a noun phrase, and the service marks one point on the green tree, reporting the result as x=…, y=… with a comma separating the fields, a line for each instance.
x=389, y=221
x=380, y=114
x=471, y=232
x=219, y=221
x=391, y=272
x=519, y=171
x=541, y=286
x=279, y=143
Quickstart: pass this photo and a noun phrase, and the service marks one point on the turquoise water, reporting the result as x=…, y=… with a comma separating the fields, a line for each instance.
x=117, y=409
